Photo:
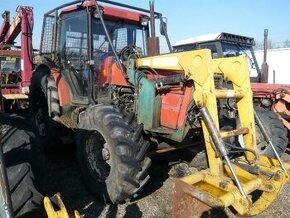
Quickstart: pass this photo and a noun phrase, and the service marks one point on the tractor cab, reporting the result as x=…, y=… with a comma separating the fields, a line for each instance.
x=91, y=46
x=224, y=45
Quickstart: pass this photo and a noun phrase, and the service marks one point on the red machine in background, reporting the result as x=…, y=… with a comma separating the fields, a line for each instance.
x=275, y=97
x=16, y=64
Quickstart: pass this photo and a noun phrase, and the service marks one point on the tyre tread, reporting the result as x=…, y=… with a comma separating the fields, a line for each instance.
x=129, y=148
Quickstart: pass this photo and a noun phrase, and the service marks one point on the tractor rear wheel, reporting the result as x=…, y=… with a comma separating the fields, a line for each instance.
x=25, y=198
x=111, y=154
x=23, y=160
x=44, y=95
x=276, y=131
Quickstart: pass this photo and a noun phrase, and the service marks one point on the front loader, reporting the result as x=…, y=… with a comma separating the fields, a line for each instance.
x=248, y=182
x=101, y=78
x=273, y=97
x=238, y=175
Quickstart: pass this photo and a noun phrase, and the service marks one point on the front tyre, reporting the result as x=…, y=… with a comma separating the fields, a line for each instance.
x=111, y=154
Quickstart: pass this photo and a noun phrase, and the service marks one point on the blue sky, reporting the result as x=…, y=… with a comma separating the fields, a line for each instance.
x=187, y=18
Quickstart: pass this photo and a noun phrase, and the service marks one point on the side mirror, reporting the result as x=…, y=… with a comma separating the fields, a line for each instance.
x=163, y=26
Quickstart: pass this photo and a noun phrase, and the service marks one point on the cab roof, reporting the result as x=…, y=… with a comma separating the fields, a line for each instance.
x=222, y=36
x=109, y=12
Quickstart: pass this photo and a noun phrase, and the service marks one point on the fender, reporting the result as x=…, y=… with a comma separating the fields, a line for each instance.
x=279, y=94
x=62, y=87
x=64, y=93
x=281, y=106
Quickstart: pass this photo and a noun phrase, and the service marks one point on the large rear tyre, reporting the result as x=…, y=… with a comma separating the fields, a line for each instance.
x=111, y=154
x=276, y=131
x=25, y=198
x=20, y=156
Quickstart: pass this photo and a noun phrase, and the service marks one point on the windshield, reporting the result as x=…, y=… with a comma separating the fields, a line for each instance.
x=233, y=50
x=122, y=35
x=73, y=44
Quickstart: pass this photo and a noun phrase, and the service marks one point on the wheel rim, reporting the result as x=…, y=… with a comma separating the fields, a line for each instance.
x=99, y=156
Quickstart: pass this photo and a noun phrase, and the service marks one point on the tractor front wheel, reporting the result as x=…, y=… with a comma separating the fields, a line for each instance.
x=111, y=154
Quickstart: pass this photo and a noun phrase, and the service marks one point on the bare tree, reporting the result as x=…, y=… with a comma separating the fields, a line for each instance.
x=286, y=43
x=260, y=45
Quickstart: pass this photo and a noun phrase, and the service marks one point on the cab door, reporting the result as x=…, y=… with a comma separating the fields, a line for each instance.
x=73, y=54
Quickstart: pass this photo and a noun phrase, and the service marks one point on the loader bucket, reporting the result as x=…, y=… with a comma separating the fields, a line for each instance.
x=187, y=203
x=205, y=195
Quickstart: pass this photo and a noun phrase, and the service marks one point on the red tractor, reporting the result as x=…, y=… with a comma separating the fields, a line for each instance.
x=80, y=82
x=100, y=77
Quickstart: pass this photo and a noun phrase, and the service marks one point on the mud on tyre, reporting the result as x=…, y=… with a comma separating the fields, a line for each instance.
x=111, y=153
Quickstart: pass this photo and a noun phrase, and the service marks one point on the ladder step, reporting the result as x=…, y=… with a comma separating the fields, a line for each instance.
x=235, y=132
x=228, y=93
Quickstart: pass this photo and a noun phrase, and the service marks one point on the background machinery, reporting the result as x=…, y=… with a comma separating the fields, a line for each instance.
x=16, y=64
x=275, y=97
x=100, y=77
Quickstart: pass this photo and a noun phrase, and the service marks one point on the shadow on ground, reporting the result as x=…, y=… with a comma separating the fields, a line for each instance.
x=60, y=173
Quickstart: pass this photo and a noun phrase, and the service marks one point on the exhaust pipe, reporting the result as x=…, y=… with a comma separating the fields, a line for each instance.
x=265, y=67
x=153, y=41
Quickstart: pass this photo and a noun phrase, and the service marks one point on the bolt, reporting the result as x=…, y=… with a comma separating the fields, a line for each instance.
x=277, y=177
x=269, y=187
x=223, y=185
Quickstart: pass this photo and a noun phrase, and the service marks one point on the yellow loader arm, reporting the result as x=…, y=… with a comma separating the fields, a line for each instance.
x=250, y=182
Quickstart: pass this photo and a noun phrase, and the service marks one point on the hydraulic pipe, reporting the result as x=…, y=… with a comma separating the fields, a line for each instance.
x=27, y=21
x=219, y=144
x=266, y=136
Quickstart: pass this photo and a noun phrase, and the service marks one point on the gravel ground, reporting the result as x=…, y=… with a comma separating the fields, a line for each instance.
x=60, y=173
x=156, y=200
